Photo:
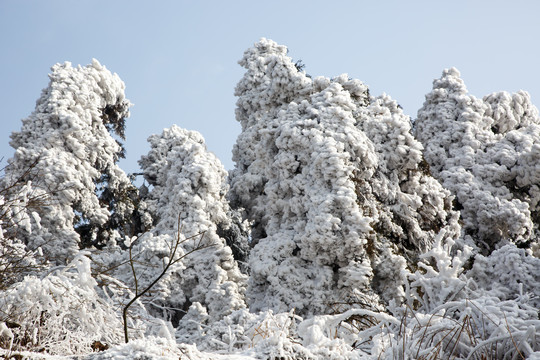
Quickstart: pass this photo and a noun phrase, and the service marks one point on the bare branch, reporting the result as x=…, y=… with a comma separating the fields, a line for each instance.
x=173, y=249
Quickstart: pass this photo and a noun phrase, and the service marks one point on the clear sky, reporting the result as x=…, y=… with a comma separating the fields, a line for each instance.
x=179, y=58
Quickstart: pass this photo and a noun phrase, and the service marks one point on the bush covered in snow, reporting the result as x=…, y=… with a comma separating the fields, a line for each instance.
x=60, y=312
x=453, y=313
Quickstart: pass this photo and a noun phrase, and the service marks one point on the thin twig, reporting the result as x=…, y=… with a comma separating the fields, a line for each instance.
x=171, y=261
x=512, y=337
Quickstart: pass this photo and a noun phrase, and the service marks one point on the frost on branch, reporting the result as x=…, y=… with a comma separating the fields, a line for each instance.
x=334, y=185
x=61, y=312
x=18, y=204
x=488, y=312
x=485, y=151
x=188, y=189
x=440, y=275
x=68, y=140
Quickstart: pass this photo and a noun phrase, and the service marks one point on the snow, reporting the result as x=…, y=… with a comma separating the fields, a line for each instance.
x=63, y=147
x=319, y=178
x=187, y=202
x=62, y=310
x=485, y=151
x=343, y=232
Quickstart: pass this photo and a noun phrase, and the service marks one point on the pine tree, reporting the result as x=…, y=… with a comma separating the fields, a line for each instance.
x=188, y=190
x=69, y=139
x=484, y=151
x=335, y=186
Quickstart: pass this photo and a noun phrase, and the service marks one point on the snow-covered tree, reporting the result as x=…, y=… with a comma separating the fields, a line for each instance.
x=334, y=185
x=485, y=151
x=68, y=142
x=508, y=273
x=187, y=200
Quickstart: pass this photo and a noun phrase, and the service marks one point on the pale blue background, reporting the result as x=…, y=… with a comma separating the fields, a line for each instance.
x=179, y=58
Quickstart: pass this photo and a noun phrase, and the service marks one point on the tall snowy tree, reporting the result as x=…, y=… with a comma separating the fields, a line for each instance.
x=485, y=151
x=334, y=184
x=68, y=142
x=187, y=200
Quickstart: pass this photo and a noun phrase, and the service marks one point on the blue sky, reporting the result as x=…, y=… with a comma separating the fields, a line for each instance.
x=179, y=58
